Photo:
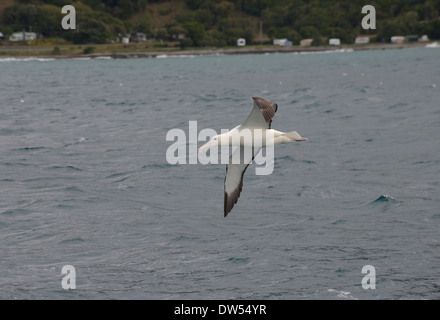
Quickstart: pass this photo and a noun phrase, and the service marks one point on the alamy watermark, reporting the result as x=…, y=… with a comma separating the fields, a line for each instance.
x=246, y=145
x=69, y=20
x=369, y=21
x=69, y=280
x=369, y=281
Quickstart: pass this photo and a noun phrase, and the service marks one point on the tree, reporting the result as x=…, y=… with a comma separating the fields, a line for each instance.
x=91, y=31
x=214, y=38
x=7, y=31
x=196, y=32
x=388, y=28
x=254, y=7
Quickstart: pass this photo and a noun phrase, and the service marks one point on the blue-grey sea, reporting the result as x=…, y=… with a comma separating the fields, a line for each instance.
x=85, y=182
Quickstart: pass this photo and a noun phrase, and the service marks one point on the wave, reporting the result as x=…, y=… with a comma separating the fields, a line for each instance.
x=157, y=165
x=384, y=203
x=64, y=168
x=326, y=51
x=30, y=148
x=342, y=294
x=195, y=55
x=162, y=56
x=15, y=212
x=286, y=157
x=384, y=198
x=433, y=45
x=26, y=59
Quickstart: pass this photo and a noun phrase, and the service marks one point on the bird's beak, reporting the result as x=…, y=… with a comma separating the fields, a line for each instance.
x=205, y=146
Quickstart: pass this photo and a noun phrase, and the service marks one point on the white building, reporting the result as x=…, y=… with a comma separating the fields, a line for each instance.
x=241, y=42
x=334, y=42
x=23, y=36
x=397, y=39
x=423, y=38
x=362, y=40
x=282, y=42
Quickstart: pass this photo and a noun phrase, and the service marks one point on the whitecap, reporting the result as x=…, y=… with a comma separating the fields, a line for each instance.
x=328, y=51
x=183, y=55
x=342, y=294
x=433, y=45
x=25, y=59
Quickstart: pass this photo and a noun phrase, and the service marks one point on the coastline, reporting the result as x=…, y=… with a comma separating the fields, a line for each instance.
x=220, y=51
x=254, y=50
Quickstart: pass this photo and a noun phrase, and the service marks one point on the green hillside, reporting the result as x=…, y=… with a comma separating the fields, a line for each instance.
x=219, y=23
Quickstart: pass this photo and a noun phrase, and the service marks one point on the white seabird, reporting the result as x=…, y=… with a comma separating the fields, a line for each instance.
x=259, y=118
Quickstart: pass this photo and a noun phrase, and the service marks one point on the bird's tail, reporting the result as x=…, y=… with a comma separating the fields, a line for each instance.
x=294, y=136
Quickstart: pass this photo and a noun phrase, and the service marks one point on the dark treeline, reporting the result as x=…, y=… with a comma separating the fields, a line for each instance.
x=221, y=22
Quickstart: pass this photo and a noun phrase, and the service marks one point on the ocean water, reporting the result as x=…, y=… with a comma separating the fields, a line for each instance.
x=84, y=179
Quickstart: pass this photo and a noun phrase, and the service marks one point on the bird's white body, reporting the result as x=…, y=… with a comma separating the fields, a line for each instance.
x=246, y=137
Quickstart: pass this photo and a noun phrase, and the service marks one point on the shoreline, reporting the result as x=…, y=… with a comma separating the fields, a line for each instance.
x=253, y=50
x=229, y=51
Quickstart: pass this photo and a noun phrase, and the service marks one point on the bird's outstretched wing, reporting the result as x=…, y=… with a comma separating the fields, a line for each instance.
x=261, y=114
x=238, y=163
x=259, y=118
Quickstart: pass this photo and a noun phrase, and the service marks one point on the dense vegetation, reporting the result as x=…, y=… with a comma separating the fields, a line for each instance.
x=221, y=22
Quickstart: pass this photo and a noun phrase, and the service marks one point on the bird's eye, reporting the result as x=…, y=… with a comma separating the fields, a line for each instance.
x=275, y=106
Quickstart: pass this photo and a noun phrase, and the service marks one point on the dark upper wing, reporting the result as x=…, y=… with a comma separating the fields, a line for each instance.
x=261, y=114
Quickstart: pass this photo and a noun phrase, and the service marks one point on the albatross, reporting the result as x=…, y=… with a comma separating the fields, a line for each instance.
x=260, y=118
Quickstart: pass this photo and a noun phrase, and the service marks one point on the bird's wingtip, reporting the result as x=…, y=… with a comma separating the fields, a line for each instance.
x=226, y=209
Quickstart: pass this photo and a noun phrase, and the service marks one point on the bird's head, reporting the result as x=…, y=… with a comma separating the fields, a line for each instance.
x=213, y=142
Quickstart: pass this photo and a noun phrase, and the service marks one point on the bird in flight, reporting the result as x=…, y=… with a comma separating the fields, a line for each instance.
x=260, y=119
